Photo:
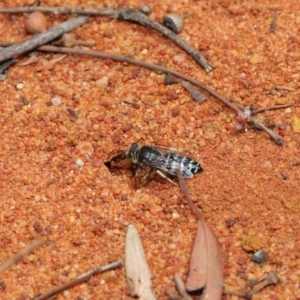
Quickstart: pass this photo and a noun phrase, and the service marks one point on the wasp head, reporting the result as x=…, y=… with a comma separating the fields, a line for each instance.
x=132, y=152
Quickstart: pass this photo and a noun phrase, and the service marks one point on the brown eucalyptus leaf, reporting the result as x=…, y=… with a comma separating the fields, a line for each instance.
x=196, y=279
x=137, y=271
x=206, y=265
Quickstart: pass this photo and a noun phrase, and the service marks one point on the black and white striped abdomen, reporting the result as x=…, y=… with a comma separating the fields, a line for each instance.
x=187, y=166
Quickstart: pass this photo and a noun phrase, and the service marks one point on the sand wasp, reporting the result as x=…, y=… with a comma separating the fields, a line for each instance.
x=159, y=159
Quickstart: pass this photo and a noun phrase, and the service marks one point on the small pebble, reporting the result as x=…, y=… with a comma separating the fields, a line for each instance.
x=288, y=110
x=267, y=165
x=103, y=82
x=178, y=58
x=255, y=59
x=20, y=86
x=259, y=256
x=79, y=162
x=56, y=101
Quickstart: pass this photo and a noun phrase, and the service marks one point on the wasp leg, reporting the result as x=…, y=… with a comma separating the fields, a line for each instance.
x=164, y=176
x=139, y=170
x=147, y=175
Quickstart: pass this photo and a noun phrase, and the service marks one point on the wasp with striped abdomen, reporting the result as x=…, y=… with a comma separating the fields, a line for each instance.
x=161, y=160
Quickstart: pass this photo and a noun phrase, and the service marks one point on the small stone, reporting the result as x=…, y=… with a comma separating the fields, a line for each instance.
x=20, y=85
x=259, y=256
x=144, y=52
x=255, y=59
x=288, y=110
x=102, y=83
x=56, y=101
x=37, y=198
x=267, y=165
x=252, y=243
x=79, y=162
x=179, y=58
x=295, y=123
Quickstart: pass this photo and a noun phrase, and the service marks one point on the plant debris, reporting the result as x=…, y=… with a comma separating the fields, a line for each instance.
x=137, y=271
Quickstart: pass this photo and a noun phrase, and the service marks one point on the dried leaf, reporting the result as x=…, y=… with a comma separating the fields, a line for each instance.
x=195, y=93
x=50, y=64
x=197, y=277
x=32, y=59
x=206, y=266
x=137, y=270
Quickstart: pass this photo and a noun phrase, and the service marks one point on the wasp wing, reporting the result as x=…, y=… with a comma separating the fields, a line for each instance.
x=170, y=166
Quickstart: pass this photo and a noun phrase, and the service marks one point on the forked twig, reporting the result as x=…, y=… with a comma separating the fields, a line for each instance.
x=278, y=139
x=136, y=16
x=125, y=14
x=80, y=279
x=19, y=256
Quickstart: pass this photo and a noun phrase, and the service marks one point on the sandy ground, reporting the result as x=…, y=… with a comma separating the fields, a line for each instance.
x=54, y=183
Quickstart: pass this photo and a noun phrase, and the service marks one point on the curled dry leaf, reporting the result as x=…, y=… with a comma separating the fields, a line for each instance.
x=50, y=64
x=137, y=270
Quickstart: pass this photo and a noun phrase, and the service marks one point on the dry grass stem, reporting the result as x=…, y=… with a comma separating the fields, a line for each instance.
x=19, y=256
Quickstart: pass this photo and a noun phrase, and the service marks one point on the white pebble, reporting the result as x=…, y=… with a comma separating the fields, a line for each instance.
x=20, y=86
x=56, y=101
x=103, y=82
x=288, y=110
x=178, y=58
x=37, y=198
x=79, y=162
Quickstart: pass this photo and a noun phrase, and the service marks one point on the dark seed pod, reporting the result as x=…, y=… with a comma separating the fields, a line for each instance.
x=174, y=22
x=259, y=256
x=145, y=9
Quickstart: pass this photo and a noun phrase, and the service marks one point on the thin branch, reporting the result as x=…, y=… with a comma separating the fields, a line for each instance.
x=133, y=61
x=256, y=123
x=256, y=111
x=105, y=12
x=160, y=69
x=125, y=14
x=19, y=256
x=187, y=196
x=41, y=39
x=80, y=279
x=136, y=16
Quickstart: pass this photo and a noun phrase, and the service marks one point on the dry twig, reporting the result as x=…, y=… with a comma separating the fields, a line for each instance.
x=125, y=14
x=271, y=278
x=278, y=139
x=181, y=288
x=80, y=279
x=105, y=12
x=19, y=256
x=41, y=39
x=136, y=16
